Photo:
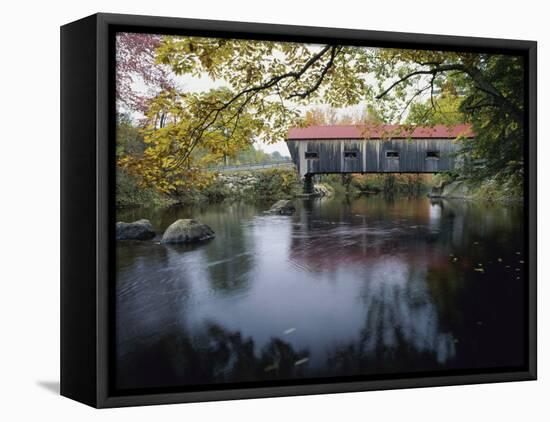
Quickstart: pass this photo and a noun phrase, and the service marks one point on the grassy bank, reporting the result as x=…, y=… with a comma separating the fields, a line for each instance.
x=500, y=187
x=497, y=190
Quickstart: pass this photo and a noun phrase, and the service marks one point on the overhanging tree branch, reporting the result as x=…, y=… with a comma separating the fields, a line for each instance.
x=326, y=68
x=247, y=94
x=477, y=77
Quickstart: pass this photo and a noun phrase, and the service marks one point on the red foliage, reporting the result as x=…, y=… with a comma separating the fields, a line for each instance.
x=135, y=62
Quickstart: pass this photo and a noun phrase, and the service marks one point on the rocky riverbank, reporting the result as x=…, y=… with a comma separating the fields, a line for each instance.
x=268, y=184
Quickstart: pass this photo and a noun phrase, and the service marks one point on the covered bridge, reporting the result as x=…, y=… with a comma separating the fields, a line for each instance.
x=374, y=148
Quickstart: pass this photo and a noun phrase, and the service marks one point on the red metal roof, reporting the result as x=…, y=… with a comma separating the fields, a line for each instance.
x=379, y=132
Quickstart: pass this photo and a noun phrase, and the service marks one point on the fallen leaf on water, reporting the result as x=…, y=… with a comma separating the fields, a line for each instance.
x=507, y=266
x=290, y=330
x=499, y=259
x=481, y=270
x=518, y=253
x=299, y=362
x=521, y=262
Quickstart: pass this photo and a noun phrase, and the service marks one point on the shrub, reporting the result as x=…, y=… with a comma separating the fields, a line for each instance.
x=276, y=183
x=130, y=194
x=216, y=191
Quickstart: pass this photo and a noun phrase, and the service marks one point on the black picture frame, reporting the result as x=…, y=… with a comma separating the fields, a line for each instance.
x=87, y=205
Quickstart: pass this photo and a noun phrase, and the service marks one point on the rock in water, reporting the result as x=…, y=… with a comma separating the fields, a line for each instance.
x=187, y=231
x=282, y=207
x=322, y=190
x=457, y=189
x=138, y=230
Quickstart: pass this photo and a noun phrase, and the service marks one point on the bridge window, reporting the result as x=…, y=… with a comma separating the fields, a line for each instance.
x=350, y=154
x=434, y=155
x=392, y=154
x=310, y=155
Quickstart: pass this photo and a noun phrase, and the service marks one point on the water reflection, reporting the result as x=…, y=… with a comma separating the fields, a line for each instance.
x=213, y=355
x=346, y=286
x=400, y=309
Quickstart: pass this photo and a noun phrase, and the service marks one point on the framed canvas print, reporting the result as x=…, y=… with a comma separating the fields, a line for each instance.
x=254, y=210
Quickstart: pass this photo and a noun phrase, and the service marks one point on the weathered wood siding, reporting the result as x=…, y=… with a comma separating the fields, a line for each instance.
x=371, y=157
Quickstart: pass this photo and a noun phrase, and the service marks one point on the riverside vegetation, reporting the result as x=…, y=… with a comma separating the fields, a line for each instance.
x=283, y=183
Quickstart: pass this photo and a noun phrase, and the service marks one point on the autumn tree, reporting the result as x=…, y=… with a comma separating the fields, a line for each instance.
x=169, y=119
x=136, y=64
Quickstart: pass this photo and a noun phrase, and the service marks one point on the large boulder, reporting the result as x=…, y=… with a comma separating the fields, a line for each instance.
x=282, y=207
x=187, y=231
x=138, y=230
x=456, y=189
x=322, y=189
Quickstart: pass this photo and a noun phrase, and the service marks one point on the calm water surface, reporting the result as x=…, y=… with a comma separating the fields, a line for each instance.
x=344, y=287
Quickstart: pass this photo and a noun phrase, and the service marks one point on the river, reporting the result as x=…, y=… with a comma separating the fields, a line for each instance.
x=368, y=286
